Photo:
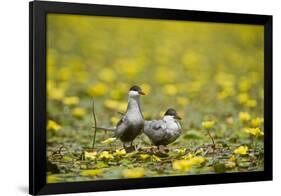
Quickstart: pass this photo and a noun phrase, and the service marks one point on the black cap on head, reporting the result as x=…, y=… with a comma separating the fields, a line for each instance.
x=137, y=89
x=172, y=112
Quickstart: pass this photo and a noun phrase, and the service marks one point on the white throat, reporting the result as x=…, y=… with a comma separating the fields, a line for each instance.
x=134, y=101
x=168, y=118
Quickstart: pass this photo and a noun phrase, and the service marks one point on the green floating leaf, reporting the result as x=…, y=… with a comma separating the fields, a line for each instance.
x=219, y=168
x=193, y=134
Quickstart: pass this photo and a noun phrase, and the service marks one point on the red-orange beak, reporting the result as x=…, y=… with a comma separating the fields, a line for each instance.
x=177, y=117
x=141, y=93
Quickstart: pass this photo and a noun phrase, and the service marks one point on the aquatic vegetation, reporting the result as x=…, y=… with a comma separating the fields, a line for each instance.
x=211, y=73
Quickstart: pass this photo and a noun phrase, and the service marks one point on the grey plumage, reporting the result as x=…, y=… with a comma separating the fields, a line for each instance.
x=132, y=121
x=164, y=131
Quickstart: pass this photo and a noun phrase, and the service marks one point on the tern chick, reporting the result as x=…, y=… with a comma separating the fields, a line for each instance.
x=164, y=131
x=132, y=122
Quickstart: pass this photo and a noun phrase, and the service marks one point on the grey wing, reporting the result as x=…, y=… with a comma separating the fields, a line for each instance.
x=155, y=129
x=121, y=126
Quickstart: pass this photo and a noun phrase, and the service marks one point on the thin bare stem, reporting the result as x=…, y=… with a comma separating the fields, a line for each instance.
x=95, y=122
x=211, y=137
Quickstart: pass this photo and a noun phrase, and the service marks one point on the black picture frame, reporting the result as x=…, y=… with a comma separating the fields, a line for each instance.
x=37, y=96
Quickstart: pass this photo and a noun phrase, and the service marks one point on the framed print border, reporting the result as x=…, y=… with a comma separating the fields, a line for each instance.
x=37, y=96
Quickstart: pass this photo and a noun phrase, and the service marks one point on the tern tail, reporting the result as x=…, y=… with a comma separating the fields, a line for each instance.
x=105, y=128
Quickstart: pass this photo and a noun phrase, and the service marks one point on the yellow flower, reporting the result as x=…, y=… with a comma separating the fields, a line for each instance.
x=232, y=158
x=117, y=93
x=186, y=165
x=120, y=152
x=155, y=158
x=256, y=122
x=56, y=93
x=91, y=172
x=114, y=120
x=78, y=112
x=197, y=160
x=242, y=150
x=71, y=100
x=52, y=179
x=170, y=89
x=182, y=101
x=98, y=89
x=164, y=75
x=208, y=124
x=243, y=98
x=105, y=155
x=109, y=140
x=134, y=173
x=107, y=75
x=52, y=126
x=244, y=86
x=188, y=156
x=115, y=105
x=226, y=92
x=111, y=104
x=254, y=131
x=144, y=156
x=251, y=103
x=244, y=116
x=182, y=165
x=90, y=155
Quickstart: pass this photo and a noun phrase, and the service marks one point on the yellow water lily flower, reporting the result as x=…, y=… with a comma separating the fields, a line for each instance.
x=109, y=140
x=251, y=103
x=244, y=85
x=114, y=120
x=182, y=101
x=71, y=100
x=243, y=98
x=52, y=179
x=105, y=155
x=144, y=156
x=56, y=93
x=208, y=124
x=256, y=122
x=121, y=152
x=79, y=112
x=107, y=75
x=241, y=150
x=244, y=116
x=188, y=156
x=186, y=165
x=53, y=126
x=232, y=158
x=91, y=172
x=182, y=165
x=256, y=132
x=90, y=155
x=111, y=104
x=197, y=160
x=98, y=89
x=170, y=89
x=155, y=158
x=134, y=173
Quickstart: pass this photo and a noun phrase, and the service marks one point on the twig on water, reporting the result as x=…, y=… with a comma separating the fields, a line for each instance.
x=95, y=122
